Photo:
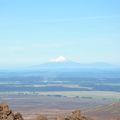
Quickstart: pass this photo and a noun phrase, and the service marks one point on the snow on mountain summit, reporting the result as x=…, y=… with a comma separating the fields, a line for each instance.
x=59, y=59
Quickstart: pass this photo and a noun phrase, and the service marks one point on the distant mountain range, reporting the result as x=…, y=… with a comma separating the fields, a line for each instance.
x=74, y=65
x=64, y=64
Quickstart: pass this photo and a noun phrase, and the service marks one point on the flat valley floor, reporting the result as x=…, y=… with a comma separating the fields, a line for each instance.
x=30, y=106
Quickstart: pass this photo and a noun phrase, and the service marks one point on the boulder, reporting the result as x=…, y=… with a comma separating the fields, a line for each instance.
x=18, y=116
x=76, y=115
x=7, y=114
x=4, y=107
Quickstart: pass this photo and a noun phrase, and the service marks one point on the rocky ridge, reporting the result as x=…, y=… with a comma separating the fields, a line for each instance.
x=7, y=114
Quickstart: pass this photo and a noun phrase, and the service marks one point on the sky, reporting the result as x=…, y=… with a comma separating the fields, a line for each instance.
x=36, y=31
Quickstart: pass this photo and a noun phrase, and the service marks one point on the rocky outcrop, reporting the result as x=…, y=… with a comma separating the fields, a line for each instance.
x=76, y=115
x=41, y=117
x=7, y=114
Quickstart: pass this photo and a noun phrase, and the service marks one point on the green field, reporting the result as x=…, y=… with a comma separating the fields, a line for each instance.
x=113, y=96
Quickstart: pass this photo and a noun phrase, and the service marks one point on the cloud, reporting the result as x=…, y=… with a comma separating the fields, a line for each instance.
x=59, y=59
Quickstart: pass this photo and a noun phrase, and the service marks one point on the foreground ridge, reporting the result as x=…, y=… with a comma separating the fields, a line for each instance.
x=7, y=114
x=76, y=115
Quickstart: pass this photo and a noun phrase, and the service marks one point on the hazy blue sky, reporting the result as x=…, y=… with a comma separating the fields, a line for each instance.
x=34, y=31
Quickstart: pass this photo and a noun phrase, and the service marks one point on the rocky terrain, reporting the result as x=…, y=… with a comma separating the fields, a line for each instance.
x=76, y=115
x=7, y=114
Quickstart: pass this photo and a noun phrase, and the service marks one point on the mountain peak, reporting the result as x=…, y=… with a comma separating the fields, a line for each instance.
x=59, y=59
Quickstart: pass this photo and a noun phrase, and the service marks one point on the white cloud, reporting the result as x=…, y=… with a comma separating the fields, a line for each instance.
x=59, y=59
